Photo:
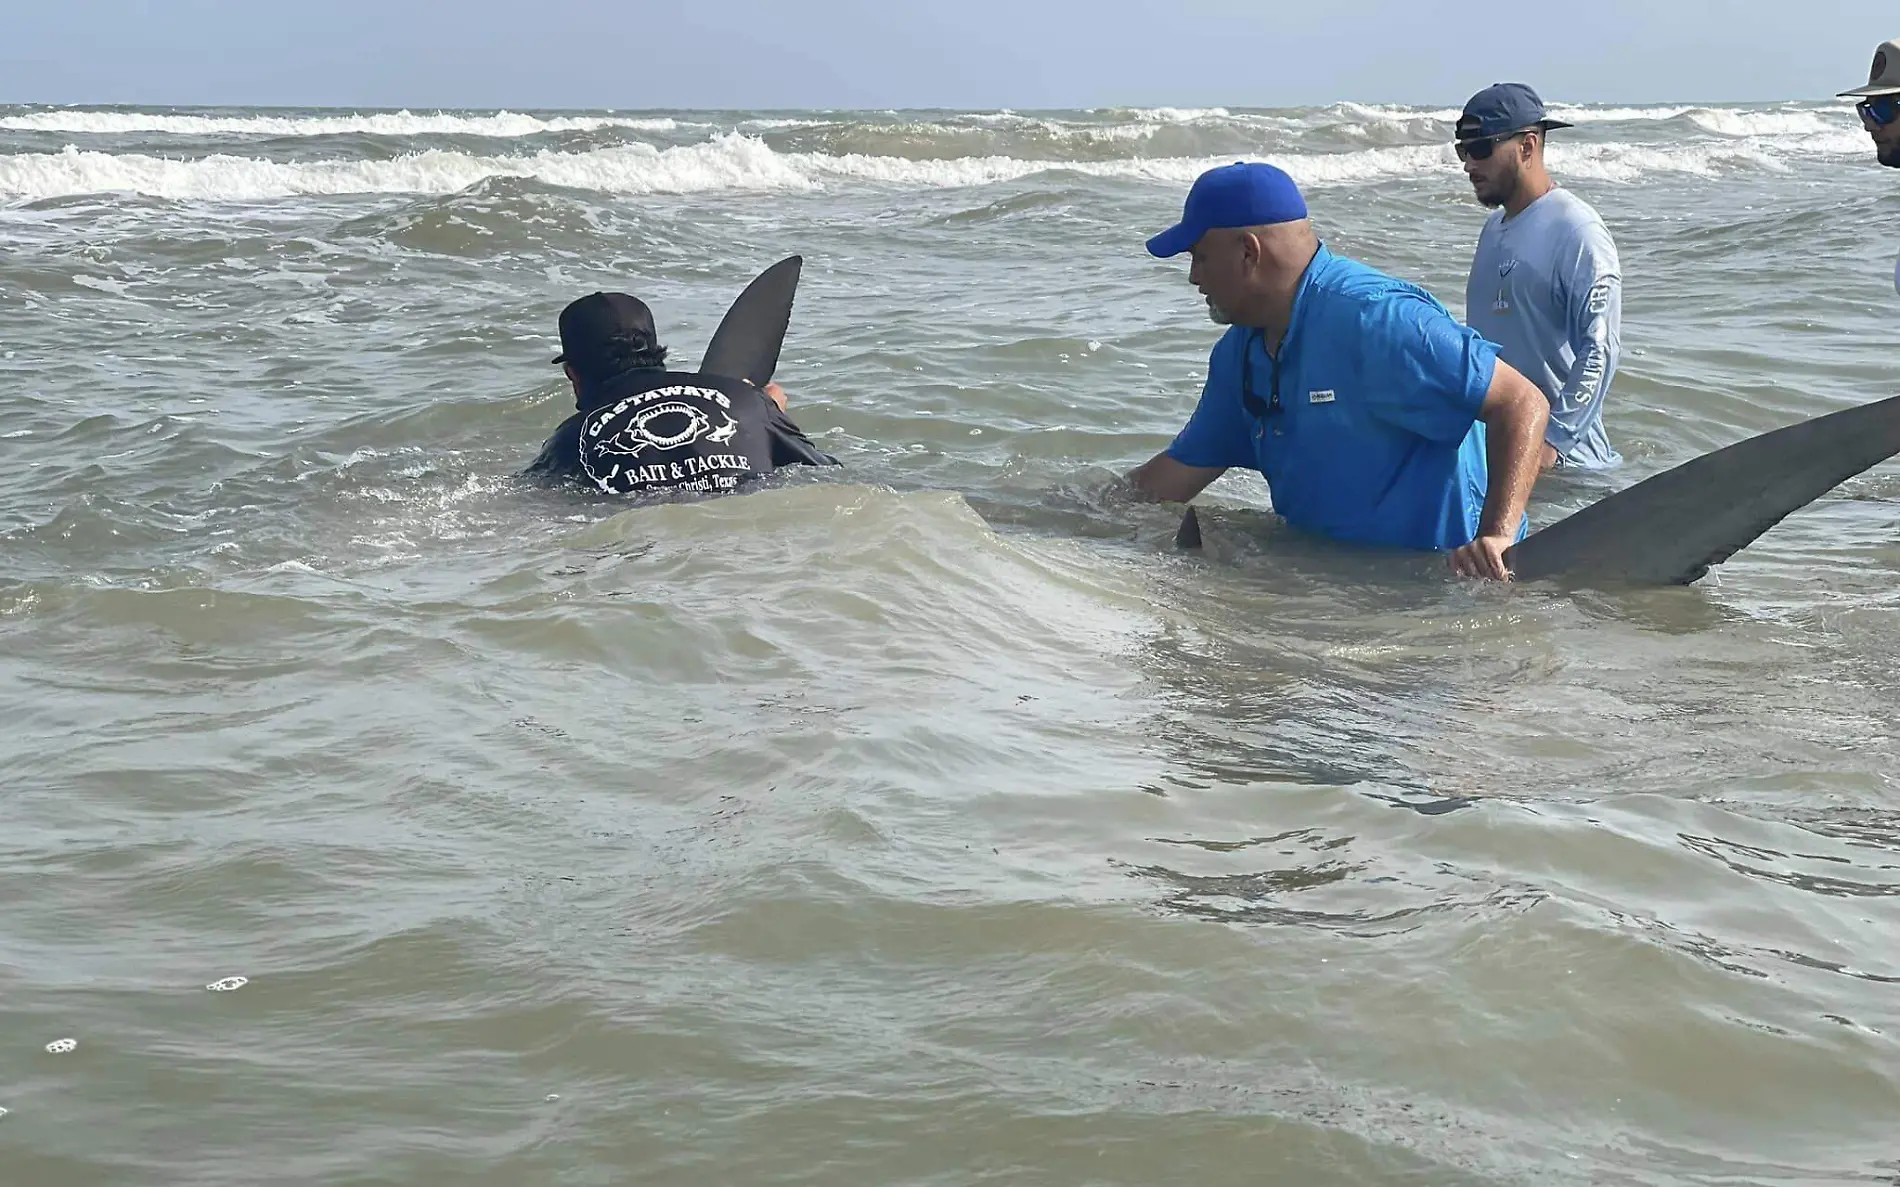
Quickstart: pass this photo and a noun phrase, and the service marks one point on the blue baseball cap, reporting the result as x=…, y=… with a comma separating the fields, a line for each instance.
x=1503, y=107
x=1242, y=194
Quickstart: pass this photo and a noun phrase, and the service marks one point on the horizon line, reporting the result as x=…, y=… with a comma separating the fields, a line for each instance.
x=532, y=108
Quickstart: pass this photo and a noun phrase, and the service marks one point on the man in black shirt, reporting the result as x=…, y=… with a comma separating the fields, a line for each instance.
x=641, y=428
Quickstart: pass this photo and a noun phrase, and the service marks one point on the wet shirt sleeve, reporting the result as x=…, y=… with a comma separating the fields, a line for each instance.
x=790, y=445
x=1421, y=369
x=1592, y=291
x=560, y=455
x=1218, y=434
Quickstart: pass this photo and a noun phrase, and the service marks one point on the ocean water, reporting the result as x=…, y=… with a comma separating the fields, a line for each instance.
x=372, y=818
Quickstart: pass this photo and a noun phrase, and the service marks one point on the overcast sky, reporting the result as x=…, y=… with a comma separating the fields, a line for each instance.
x=890, y=53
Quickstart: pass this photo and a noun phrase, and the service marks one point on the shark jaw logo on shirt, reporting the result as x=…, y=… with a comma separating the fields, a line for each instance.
x=628, y=445
x=639, y=434
x=660, y=420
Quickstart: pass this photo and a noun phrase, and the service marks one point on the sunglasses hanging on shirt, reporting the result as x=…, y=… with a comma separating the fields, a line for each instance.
x=1249, y=398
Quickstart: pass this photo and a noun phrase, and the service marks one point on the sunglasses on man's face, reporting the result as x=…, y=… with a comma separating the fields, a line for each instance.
x=1482, y=148
x=1879, y=111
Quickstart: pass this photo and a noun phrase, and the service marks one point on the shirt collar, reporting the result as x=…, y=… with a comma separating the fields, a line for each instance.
x=601, y=392
x=1315, y=268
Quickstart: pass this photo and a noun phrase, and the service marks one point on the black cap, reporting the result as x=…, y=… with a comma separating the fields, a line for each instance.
x=602, y=326
x=1502, y=108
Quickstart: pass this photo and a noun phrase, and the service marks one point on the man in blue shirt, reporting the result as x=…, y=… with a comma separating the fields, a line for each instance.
x=1375, y=417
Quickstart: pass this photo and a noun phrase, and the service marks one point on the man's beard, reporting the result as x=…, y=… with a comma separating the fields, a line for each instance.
x=1217, y=315
x=1889, y=155
x=1497, y=191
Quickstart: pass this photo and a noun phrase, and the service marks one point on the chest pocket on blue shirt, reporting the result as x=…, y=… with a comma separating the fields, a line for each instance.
x=1296, y=439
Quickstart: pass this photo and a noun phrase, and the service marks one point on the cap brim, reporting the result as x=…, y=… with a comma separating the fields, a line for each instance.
x=1470, y=134
x=1869, y=92
x=1174, y=241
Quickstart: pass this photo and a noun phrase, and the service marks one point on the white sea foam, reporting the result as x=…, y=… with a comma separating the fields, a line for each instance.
x=1177, y=115
x=1614, y=115
x=1387, y=112
x=1376, y=122
x=502, y=124
x=737, y=162
x=779, y=125
x=1727, y=122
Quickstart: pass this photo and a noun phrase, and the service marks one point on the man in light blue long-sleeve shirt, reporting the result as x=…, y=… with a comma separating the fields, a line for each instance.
x=1546, y=284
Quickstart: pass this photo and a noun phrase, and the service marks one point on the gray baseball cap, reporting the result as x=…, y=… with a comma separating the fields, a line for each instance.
x=1884, y=78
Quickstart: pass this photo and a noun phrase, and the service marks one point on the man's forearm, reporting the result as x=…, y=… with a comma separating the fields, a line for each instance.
x=1514, y=445
x=1161, y=479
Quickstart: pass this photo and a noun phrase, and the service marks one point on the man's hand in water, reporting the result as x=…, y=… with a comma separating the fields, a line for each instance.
x=1514, y=415
x=773, y=392
x=1483, y=557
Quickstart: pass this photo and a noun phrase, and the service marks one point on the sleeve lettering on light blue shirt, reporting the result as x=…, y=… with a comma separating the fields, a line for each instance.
x=1593, y=299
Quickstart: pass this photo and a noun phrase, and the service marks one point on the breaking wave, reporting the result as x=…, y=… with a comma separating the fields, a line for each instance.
x=500, y=124
x=733, y=161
